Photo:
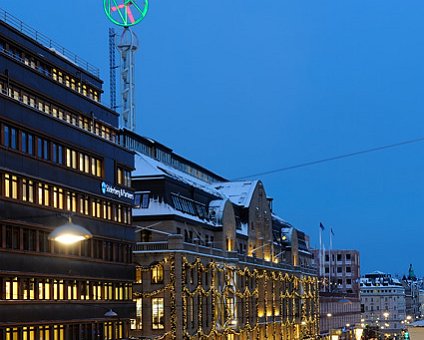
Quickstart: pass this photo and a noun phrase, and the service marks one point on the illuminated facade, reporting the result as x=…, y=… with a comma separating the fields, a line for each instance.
x=59, y=157
x=213, y=261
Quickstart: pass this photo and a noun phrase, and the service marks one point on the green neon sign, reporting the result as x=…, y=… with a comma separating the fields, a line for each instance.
x=126, y=12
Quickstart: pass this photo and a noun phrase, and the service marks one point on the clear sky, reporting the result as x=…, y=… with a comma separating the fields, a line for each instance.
x=244, y=86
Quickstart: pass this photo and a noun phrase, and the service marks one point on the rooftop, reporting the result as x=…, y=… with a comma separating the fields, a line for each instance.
x=47, y=42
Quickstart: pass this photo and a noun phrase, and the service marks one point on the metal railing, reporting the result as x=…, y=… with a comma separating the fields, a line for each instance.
x=47, y=42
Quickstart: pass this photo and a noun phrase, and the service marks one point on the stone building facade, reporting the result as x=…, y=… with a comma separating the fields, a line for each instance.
x=383, y=302
x=213, y=260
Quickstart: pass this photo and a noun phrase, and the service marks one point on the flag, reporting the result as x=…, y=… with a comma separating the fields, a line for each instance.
x=332, y=232
x=321, y=226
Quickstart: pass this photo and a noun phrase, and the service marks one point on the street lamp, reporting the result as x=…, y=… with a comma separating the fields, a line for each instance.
x=70, y=233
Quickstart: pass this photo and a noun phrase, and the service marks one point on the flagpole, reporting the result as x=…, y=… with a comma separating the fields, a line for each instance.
x=329, y=259
x=320, y=250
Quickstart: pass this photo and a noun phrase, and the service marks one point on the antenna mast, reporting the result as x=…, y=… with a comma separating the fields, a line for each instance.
x=128, y=46
x=125, y=13
x=112, y=65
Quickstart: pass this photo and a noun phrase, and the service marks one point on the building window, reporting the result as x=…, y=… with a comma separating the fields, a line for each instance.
x=339, y=257
x=158, y=321
x=157, y=274
x=123, y=176
x=348, y=270
x=347, y=257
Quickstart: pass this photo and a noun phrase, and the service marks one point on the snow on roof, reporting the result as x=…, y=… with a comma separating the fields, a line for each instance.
x=377, y=272
x=147, y=166
x=239, y=193
x=279, y=219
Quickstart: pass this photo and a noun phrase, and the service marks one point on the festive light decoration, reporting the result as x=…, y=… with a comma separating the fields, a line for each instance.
x=213, y=294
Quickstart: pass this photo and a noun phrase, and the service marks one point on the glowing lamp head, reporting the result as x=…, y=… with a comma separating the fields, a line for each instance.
x=69, y=233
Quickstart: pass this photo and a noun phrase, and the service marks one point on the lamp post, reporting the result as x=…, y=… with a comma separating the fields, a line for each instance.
x=251, y=252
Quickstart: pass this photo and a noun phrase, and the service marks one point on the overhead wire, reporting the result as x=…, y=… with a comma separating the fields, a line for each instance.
x=333, y=158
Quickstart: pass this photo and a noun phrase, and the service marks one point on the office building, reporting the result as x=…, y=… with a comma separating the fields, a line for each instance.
x=60, y=159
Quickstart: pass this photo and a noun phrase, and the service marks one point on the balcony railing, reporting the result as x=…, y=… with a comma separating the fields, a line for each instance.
x=47, y=42
x=178, y=244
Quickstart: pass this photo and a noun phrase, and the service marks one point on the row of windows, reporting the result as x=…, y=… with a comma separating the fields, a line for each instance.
x=74, y=84
x=348, y=257
x=59, y=76
x=99, y=330
x=27, y=239
x=52, y=196
x=386, y=298
x=381, y=290
x=81, y=121
x=339, y=270
x=157, y=274
x=189, y=206
x=45, y=149
x=142, y=200
x=19, y=288
x=157, y=314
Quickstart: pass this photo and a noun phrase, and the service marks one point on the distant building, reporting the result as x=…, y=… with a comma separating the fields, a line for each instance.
x=412, y=294
x=340, y=308
x=213, y=260
x=383, y=302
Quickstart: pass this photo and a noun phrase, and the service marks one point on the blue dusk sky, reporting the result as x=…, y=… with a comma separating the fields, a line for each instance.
x=245, y=86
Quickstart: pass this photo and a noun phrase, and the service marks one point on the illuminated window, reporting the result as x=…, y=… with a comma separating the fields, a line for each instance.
x=74, y=159
x=74, y=202
x=158, y=320
x=40, y=194
x=68, y=158
x=93, y=166
x=12, y=334
x=6, y=185
x=11, y=287
x=157, y=274
x=86, y=164
x=98, y=168
x=61, y=198
x=138, y=324
x=81, y=162
x=28, y=288
x=28, y=333
x=14, y=187
x=138, y=275
x=46, y=195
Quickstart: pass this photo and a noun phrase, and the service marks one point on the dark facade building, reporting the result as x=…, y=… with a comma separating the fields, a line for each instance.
x=60, y=157
x=213, y=260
